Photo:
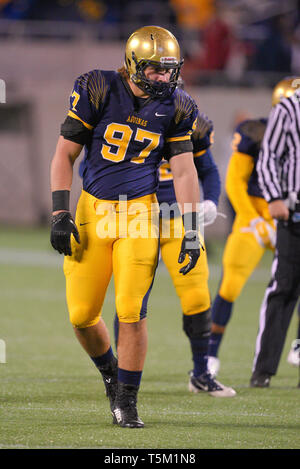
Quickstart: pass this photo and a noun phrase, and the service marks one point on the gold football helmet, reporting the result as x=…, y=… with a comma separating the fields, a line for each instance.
x=154, y=46
x=285, y=88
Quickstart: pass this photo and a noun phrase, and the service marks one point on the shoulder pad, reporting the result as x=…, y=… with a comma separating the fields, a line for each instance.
x=184, y=105
x=254, y=129
x=95, y=84
x=204, y=126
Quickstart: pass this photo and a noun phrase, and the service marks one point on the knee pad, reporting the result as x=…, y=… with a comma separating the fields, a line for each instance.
x=197, y=326
x=194, y=300
x=82, y=319
x=129, y=308
x=116, y=326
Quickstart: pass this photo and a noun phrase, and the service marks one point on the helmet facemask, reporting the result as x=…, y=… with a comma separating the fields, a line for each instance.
x=156, y=89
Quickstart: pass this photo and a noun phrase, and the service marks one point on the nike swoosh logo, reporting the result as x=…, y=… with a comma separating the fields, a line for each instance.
x=81, y=224
x=160, y=115
x=118, y=415
x=108, y=380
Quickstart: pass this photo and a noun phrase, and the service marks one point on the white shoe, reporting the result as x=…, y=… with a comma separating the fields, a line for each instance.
x=206, y=383
x=294, y=353
x=213, y=366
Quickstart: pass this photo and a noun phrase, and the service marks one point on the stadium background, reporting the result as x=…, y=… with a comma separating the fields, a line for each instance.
x=235, y=51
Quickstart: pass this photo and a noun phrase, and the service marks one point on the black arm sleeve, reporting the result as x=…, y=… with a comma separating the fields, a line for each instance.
x=74, y=130
x=176, y=148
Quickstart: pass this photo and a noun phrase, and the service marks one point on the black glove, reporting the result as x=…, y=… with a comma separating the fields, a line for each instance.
x=190, y=246
x=62, y=226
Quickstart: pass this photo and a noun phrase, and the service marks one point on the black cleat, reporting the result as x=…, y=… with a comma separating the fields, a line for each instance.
x=207, y=383
x=260, y=380
x=125, y=410
x=110, y=379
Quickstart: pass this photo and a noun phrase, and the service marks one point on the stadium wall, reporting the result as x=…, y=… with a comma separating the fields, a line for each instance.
x=39, y=78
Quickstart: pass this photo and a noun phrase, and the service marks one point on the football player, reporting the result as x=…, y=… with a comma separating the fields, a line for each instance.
x=123, y=119
x=253, y=230
x=192, y=290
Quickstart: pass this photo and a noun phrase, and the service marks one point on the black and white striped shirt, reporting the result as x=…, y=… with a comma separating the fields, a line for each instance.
x=278, y=165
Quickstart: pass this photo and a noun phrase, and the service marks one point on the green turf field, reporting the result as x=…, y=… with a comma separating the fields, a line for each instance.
x=51, y=396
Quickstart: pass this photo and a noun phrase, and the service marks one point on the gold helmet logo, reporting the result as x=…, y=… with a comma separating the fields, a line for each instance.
x=285, y=88
x=153, y=46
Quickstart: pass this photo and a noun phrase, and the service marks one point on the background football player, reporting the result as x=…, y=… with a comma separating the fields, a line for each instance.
x=124, y=119
x=253, y=229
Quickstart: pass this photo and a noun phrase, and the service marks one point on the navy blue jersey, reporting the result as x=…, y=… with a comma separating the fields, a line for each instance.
x=127, y=134
x=207, y=172
x=247, y=139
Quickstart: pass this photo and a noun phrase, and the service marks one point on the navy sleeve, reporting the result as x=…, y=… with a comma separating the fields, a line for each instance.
x=209, y=176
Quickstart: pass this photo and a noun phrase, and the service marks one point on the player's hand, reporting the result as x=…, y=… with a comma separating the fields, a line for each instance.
x=263, y=231
x=62, y=226
x=190, y=247
x=279, y=210
x=209, y=212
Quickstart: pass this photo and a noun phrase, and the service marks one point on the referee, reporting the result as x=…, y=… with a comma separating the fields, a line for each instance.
x=278, y=170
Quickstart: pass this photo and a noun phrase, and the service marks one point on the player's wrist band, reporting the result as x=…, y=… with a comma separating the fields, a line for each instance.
x=60, y=200
x=190, y=221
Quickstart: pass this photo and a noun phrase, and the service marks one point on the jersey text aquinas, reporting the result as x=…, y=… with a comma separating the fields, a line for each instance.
x=137, y=120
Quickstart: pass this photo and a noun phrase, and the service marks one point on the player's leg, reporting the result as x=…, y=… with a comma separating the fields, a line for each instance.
x=294, y=353
x=88, y=272
x=241, y=255
x=134, y=265
x=129, y=334
x=278, y=306
x=193, y=292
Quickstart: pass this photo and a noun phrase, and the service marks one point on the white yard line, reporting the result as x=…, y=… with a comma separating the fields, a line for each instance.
x=33, y=258
x=11, y=256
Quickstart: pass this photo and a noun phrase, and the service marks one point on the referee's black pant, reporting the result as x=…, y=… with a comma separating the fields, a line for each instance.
x=280, y=299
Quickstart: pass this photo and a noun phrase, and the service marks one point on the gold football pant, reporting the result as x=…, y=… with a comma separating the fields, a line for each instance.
x=241, y=255
x=192, y=288
x=119, y=238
